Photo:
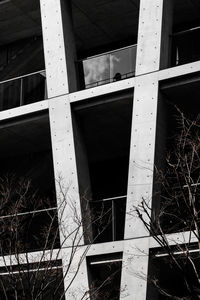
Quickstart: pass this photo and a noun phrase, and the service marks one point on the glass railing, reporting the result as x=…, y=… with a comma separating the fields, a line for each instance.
x=109, y=67
x=186, y=46
x=108, y=219
x=23, y=90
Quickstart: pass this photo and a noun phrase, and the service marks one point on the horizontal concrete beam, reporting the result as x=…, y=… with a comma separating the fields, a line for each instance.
x=107, y=89
x=179, y=71
x=24, y=110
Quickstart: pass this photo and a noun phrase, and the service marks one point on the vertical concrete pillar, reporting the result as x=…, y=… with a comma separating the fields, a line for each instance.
x=141, y=164
x=135, y=270
x=149, y=36
x=59, y=47
x=140, y=180
x=75, y=276
x=65, y=171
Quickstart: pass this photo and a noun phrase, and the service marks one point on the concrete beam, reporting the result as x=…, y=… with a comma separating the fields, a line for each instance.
x=179, y=71
x=102, y=90
x=181, y=81
x=24, y=110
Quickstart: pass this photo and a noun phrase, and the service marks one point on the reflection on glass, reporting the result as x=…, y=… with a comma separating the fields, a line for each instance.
x=109, y=67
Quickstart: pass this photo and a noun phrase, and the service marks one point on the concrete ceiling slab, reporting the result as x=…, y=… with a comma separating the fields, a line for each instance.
x=106, y=129
x=19, y=19
x=25, y=136
x=186, y=11
x=104, y=22
x=184, y=93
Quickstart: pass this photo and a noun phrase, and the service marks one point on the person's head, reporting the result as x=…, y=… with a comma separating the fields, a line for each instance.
x=117, y=76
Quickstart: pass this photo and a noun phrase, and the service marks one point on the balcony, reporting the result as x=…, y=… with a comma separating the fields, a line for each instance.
x=109, y=67
x=23, y=90
x=185, y=46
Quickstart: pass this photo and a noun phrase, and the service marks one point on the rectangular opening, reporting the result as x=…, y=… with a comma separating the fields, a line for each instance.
x=185, y=33
x=22, y=76
x=32, y=281
x=23, y=90
x=102, y=139
x=106, y=41
x=28, y=218
x=109, y=67
x=108, y=218
x=174, y=275
x=176, y=187
x=185, y=46
x=180, y=33
x=104, y=273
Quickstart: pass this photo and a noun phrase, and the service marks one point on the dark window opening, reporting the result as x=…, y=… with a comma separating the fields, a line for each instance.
x=29, y=231
x=102, y=134
x=176, y=188
x=104, y=276
x=23, y=90
x=33, y=281
x=185, y=29
x=185, y=46
x=108, y=219
x=28, y=218
x=21, y=55
x=174, y=279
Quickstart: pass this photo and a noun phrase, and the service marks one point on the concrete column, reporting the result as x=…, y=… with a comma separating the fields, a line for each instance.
x=59, y=47
x=149, y=36
x=75, y=277
x=141, y=165
x=135, y=269
x=65, y=171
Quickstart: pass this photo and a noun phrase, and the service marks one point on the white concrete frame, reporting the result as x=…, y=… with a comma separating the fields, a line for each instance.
x=136, y=245
x=142, y=148
x=149, y=36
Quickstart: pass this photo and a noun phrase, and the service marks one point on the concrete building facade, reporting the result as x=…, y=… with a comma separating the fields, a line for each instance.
x=84, y=90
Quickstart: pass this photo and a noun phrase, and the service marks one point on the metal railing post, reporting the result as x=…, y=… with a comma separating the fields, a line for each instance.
x=21, y=92
x=113, y=221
